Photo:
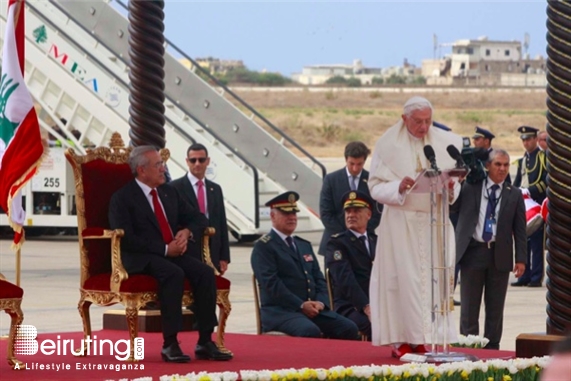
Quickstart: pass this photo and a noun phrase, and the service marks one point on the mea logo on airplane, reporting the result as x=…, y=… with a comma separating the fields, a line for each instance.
x=112, y=95
x=26, y=344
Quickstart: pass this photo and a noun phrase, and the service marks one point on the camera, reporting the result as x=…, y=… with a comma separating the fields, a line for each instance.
x=475, y=159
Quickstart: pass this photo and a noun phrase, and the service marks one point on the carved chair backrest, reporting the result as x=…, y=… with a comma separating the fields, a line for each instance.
x=98, y=175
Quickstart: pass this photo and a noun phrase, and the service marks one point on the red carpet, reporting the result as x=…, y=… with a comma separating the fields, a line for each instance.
x=251, y=352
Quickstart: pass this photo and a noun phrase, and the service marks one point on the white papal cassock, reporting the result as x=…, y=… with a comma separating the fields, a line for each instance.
x=400, y=288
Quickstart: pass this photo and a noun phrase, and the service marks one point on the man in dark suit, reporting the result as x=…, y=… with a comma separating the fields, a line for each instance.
x=491, y=219
x=200, y=192
x=531, y=177
x=293, y=291
x=336, y=184
x=158, y=225
x=349, y=257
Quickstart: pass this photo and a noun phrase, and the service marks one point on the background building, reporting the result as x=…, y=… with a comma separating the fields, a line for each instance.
x=320, y=74
x=215, y=65
x=486, y=63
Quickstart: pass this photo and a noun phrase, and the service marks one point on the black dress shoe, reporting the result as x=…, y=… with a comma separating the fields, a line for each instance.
x=457, y=302
x=173, y=353
x=519, y=284
x=210, y=351
x=534, y=284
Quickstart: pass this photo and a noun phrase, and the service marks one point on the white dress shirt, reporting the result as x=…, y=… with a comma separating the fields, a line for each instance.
x=359, y=235
x=487, y=188
x=350, y=178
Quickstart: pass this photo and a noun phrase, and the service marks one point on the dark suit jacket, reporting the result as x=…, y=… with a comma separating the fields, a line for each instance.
x=349, y=266
x=219, y=245
x=129, y=210
x=286, y=279
x=511, y=224
x=335, y=185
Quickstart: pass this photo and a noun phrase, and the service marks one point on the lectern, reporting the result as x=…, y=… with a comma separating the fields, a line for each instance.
x=435, y=182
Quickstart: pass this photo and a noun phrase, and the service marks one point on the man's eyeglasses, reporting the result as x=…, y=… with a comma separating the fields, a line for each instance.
x=193, y=160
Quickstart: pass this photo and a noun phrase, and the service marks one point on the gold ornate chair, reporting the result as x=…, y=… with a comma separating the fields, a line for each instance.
x=10, y=302
x=329, y=288
x=258, y=306
x=104, y=281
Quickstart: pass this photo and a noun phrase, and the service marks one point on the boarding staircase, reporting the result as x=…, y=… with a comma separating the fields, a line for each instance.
x=77, y=68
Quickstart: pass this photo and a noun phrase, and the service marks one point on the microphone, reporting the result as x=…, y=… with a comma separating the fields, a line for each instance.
x=431, y=156
x=455, y=154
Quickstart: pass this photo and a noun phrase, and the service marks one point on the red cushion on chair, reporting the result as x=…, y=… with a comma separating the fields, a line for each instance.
x=100, y=180
x=92, y=232
x=10, y=291
x=222, y=283
x=140, y=283
x=135, y=283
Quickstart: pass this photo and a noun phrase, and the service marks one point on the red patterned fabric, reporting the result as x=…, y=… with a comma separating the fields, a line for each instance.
x=100, y=180
x=10, y=291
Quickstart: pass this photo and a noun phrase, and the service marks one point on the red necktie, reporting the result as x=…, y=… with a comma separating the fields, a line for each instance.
x=200, y=197
x=161, y=218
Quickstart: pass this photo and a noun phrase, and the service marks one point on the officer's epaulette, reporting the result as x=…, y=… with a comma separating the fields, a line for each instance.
x=265, y=238
x=337, y=235
x=301, y=239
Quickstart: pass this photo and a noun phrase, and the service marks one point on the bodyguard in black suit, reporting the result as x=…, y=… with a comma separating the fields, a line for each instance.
x=349, y=257
x=197, y=160
x=336, y=184
x=491, y=219
x=532, y=175
x=293, y=291
x=158, y=225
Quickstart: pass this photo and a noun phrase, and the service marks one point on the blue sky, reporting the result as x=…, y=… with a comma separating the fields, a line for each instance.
x=285, y=36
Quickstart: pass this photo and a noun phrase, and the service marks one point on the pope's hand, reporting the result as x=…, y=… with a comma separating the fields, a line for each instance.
x=405, y=184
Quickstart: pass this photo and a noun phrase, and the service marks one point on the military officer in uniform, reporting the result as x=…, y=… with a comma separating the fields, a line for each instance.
x=349, y=257
x=482, y=138
x=531, y=177
x=293, y=291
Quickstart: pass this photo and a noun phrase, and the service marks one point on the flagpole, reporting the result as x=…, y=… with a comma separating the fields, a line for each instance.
x=18, y=267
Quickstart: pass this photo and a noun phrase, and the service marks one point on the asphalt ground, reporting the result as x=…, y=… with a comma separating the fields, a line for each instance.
x=50, y=278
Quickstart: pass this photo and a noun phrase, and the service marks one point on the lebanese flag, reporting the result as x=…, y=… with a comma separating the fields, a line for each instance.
x=21, y=146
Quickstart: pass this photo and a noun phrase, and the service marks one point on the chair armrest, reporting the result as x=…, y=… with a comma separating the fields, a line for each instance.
x=118, y=272
x=208, y=232
x=100, y=233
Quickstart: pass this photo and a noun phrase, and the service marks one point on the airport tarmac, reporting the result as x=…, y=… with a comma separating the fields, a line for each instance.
x=50, y=278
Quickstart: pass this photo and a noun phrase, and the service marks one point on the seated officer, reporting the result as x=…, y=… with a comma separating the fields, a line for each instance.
x=293, y=291
x=349, y=257
x=483, y=138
